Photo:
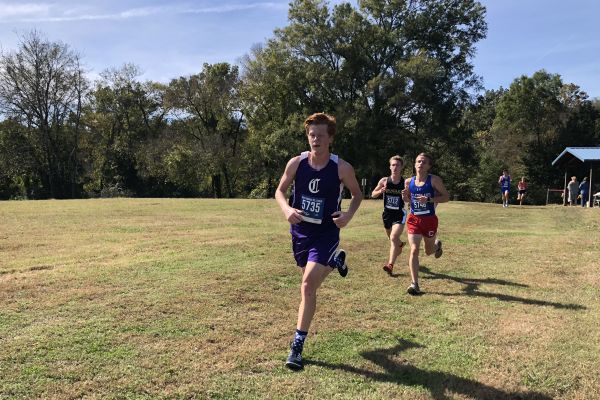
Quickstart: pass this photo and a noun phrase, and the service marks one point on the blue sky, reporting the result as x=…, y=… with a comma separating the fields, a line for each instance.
x=525, y=36
x=168, y=39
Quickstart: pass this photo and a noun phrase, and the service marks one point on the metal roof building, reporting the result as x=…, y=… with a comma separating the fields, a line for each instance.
x=575, y=155
x=572, y=154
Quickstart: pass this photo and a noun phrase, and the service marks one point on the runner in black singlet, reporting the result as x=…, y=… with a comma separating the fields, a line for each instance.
x=394, y=215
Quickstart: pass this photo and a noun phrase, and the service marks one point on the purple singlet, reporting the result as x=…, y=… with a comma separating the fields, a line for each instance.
x=318, y=194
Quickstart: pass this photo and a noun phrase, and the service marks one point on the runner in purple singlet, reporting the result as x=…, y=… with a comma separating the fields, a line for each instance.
x=314, y=212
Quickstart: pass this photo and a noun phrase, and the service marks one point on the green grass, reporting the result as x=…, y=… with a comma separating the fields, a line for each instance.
x=184, y=299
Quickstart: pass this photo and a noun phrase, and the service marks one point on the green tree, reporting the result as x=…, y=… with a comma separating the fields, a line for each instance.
x=123, y=116
x=395, y=73
x=535, y=120
x=18, y=167
x=269, y=95
x=42, y=87
x=478, y=118
x=213, y=123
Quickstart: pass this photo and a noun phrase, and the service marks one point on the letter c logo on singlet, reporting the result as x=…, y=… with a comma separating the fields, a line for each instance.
x=313, y=185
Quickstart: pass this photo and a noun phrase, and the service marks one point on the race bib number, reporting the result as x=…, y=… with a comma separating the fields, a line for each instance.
x=392, y=202
x=312, y=209
x=418, y=208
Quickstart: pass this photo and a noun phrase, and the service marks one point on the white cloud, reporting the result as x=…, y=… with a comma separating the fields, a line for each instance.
x=27, y=13
x=21, y=10
x=235, y=7
x=142, y=12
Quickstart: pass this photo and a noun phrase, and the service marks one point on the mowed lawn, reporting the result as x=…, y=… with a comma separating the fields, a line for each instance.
x=197, y=298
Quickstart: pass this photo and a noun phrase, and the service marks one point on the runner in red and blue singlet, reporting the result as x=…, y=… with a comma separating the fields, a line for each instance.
x=423, y=191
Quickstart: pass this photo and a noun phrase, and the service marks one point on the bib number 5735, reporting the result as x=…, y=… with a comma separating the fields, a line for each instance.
x=312, y=209
x=312, y=206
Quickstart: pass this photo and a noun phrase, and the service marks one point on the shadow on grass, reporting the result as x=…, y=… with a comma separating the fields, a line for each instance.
x=441, y=385
x=472, y=289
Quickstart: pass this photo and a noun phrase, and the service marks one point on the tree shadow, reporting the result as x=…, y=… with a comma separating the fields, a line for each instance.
x=471, y=288
x=441, y=385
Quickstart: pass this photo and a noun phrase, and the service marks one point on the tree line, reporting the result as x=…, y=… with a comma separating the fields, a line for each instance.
x=397, y=74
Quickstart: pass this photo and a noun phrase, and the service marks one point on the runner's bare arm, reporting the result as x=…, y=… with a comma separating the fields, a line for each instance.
x=348, y=178
x=441, y=194
x=406, y=191
x=380, y=188
x=292, y=215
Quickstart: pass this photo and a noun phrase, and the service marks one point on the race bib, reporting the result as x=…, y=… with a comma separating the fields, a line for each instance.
x=392, y=202
x=418, y=208
x=312, y=209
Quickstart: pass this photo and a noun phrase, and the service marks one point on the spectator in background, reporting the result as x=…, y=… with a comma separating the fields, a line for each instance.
x=573, y=188
x=584, y=190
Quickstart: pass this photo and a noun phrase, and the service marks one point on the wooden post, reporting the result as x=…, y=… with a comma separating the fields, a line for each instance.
x=590, y=204
x=565, y=190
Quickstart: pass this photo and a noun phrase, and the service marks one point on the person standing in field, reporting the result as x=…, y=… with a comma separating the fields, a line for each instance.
x=522, y=187
x=573, y=187
x=424, y=191
x=315, y=215
x=504, y=182
x=584, y=190
x=394, y=215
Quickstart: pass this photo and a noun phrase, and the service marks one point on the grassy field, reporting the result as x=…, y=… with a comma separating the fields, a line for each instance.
x=185, y=299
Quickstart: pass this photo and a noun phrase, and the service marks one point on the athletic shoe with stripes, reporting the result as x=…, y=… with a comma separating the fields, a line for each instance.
x=294, y=360
x=338, y=260
x=438, y=251
x=413, y=289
